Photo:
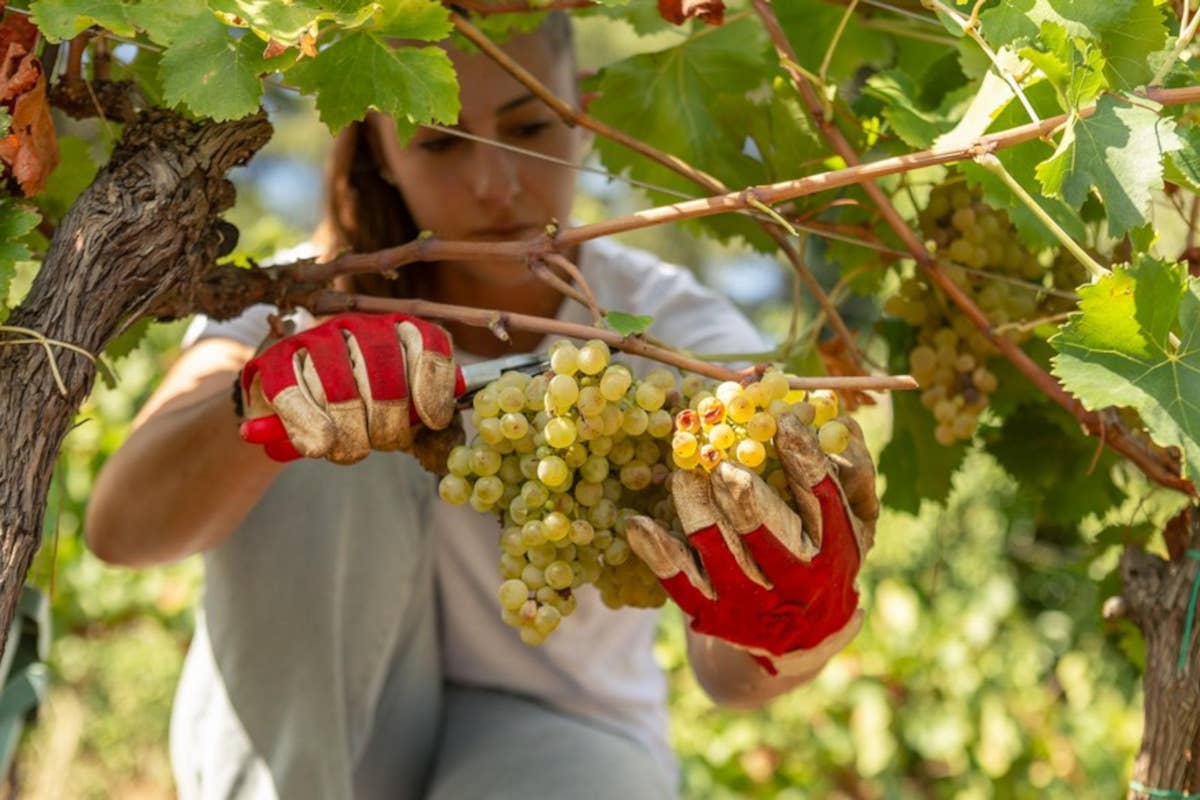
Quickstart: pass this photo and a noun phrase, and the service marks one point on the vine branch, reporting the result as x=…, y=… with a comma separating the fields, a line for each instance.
x=332, y=302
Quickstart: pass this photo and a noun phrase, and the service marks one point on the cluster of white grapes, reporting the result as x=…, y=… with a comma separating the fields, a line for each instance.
x=950, y=359
x=567, y=457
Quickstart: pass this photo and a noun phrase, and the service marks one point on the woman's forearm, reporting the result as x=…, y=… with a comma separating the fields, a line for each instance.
x=182, y=481
x=731, y=676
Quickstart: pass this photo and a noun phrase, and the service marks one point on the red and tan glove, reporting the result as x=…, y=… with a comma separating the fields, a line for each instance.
x=774, y=582
x=354, y=383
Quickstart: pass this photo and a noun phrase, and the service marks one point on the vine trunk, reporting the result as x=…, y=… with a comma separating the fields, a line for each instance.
x=149, y=224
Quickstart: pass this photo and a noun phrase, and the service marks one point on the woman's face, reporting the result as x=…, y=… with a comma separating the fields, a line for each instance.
x=465, y=190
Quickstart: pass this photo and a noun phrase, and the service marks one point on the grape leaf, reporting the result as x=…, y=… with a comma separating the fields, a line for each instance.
x=1062, y=490
x=917, y=126
x=414, y=85
x=1183, y=165
x=16, y=221
x=810, y=25
x=916, y=467
x=75, y=171
x=1128, y=32
x=627, y=324
x=287, y=22
x=63, y=19
x=689, y=100
x=1074, y=67
x=1119, y=151
x=212, y=73
x=1118, y=351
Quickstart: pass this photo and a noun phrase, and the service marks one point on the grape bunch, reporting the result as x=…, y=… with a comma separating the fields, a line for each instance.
x=1002, y=276
x=564, y=459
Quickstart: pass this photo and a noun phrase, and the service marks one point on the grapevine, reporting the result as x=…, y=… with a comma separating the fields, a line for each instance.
x=565, y=458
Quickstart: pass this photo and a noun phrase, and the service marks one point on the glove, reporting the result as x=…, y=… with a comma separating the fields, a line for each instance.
x=354, y=383
x=774, y=582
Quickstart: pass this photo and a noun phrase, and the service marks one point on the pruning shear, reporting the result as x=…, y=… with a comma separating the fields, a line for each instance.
x=478, y=375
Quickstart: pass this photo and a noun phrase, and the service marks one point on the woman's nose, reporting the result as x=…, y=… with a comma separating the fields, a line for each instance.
x=494, y=175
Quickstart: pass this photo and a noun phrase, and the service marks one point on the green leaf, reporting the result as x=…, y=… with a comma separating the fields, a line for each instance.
x=1118, y=351
x=425, y=20
x=1129, y=33
x=74, y=173
x=917, y=126
x=212, y=73
x=16, y=221
x=287, y=22
x=1074, y=67
x=414, y=85
x=1118, y=151
x=1062, y=490
x=1183, y=165
x=1013, y=20
x=916, y=467
x=628, y=324
x=691, y=100
x=810, y=26
x=63, y=19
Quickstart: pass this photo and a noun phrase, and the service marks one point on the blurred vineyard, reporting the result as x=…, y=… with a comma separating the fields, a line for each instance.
x=984, y=669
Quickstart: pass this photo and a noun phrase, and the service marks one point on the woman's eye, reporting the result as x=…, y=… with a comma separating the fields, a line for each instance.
x=440, y=144
x=529, y=130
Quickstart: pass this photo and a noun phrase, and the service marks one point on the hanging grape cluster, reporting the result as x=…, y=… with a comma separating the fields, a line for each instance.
x=1005, y=279
x=566, y=458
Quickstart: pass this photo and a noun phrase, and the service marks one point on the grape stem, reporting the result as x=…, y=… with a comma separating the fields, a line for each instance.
x=1153, y=461
x=332, y=302
x=993, y=165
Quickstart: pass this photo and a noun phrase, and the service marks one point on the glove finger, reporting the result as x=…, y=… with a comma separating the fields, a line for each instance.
x=377, y=361
x=671, y=562
x=752, y=506
x=434, y=379
x=269, y=432
x=349, y=442
x=725, y=558
x=856, y=474
x=804, y=465
x=307, y=425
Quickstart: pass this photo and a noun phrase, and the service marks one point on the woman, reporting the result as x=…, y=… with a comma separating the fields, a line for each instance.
x=350, y=644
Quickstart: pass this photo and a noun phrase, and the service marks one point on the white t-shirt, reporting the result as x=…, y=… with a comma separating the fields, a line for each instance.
x=599, y=662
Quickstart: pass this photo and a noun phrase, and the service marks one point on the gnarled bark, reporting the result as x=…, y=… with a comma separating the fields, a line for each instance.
x=1156, y=594
x=148, y=225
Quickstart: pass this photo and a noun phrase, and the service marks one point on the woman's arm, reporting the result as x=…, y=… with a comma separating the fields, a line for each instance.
x=184, y=479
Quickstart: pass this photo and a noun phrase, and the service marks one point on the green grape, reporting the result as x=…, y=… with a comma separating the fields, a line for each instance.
x=593, y=357
x=547, y=619
x=513, y=425
x=650, y=397
x=750, y=452
x=635, y=475
x=454, y=489
x=564, y=359
x=533, y=532
x=560, y=432
x=459, y=461
x=513, y=593
x=562, y=393
x=490, y=431
x=553, y=471
x=489, y=489
x=486, y=404
x=557, y=526
x=659, y=424
x=833, y=437
x=591, y=402
x=559, y=575
x=636, y=421
x=615, y=382
x=588, y=493
x=511, y=399
x=595, y=469
x=761, y=427
x=484, y=461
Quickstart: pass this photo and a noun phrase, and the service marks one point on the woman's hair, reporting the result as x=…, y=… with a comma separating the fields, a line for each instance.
x=362, y=212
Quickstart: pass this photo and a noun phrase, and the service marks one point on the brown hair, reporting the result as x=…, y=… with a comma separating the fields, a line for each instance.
x=362, y=212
